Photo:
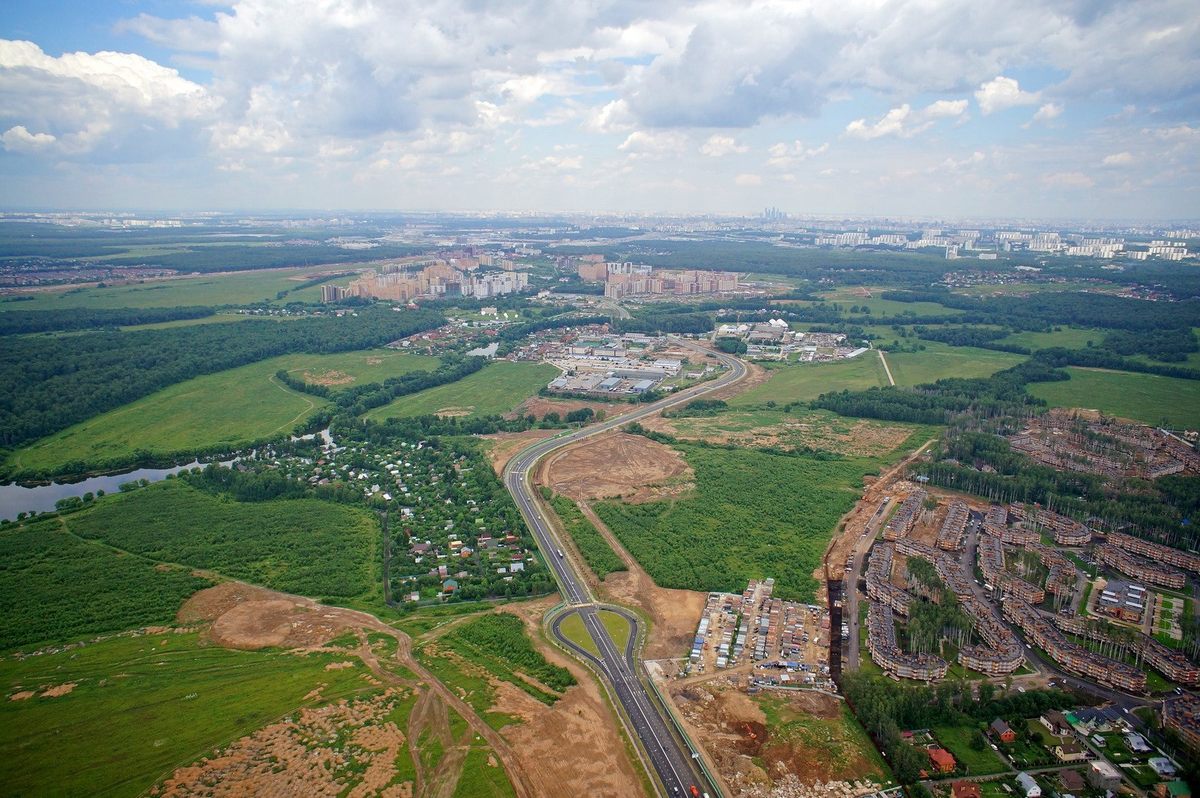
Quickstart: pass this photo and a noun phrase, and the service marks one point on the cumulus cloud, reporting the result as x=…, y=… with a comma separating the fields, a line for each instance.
x=1118, y=159
x=718, y=146
x=1000, y=93
x=642, y=144
x=786, y=156
x=905, y=122
x=1047, y=113
x=18, y=139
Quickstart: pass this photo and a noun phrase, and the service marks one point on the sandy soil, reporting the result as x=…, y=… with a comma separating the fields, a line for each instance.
x=599, y=766
x=732, y=727
x=864, y=439
x=23, y=695
x=59, y=690
x=503, y=446
x=250, y=617
x=630, y=466
x=755, y=376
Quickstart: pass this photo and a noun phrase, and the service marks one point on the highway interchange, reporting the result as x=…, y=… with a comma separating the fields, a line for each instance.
x=667, y=752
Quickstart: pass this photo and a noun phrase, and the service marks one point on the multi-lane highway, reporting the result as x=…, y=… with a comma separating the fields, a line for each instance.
x=667, y=753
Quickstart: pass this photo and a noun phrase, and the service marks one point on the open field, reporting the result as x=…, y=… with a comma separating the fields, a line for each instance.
x=237, y=288
x=226, y=409
x=141, y=707
x=1141, y=397
x=804, y=382
x=56, y=588
x=814, y=429
x=885, y=307
x=578, y=634
x=753, y=515
x=939, y=361
x=303, y=546
x=496, y=389
x=216, y=318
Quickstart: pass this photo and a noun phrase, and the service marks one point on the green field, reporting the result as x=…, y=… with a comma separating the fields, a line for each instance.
x=617, y=627
x=1067, y=337
x=957, y=740
x=753, y=515
x=239, y=288
x=1141, y=397
x=225, y=411
x=497, y=388
x=144, y=706
x=303, y=546
x=886, y=307
x=574, y=630
x=803, y=382
x=939, y=361
x=55, y=587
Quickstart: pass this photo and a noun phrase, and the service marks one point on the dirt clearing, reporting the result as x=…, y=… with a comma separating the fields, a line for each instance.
x=629, y=466
x=854, y=438
x=250, y=617
x=802, y=741
x=503, y=446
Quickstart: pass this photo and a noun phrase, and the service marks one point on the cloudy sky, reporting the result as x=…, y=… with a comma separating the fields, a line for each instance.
x=1019, y=108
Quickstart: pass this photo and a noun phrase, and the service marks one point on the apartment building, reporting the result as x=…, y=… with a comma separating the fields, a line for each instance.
x=1137, y=568
x=905, y=517
x=1155, y=551
x=881, y=641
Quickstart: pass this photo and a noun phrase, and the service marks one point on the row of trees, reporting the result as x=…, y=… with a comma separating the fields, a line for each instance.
x=23, y=322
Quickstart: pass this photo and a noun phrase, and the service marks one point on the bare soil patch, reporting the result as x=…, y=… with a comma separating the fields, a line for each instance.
x=330, y=377
x=249, y=617
x=630, y=466
x=755, y=376
x=24, y=695
x=59, y=690
x=599, y=767
x=503, y=446
x=862, y=439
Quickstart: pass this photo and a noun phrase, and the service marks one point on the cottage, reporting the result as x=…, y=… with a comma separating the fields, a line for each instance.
x=1172, y=789
x=1162, y=766
x=943, y=760
x=1069, y=752
x=1072, y=781
x=1056, y=722
x=1002, y=731
x=1028, y=786
x=965, y=789
x=1137, y=743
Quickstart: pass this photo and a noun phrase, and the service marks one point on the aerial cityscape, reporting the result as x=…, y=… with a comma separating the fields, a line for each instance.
x=781, y=400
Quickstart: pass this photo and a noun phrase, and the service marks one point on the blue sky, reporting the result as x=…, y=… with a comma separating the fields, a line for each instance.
x=1020, y=108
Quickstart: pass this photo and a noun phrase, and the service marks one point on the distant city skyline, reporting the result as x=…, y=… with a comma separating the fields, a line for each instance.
x=1028, y=109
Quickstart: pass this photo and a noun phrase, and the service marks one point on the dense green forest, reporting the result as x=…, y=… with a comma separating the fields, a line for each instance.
x=303, y=546
x=56, y=588
x=18, y=322
x=50, y=383
x=591, y=544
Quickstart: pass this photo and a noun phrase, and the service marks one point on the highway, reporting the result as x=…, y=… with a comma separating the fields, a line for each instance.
x=668, y=754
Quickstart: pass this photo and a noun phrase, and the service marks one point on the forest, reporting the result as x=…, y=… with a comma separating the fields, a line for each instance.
x=23, y=322
x=591, y=544
x=48, y=384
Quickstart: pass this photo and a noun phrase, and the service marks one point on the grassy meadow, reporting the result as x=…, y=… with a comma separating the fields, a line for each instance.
x=753, y=515
x=1141, y=397
x=939, y=361
x=228, y=408
x=803, y=382
x=303, y=546
x=144, y=706
x=497, y=388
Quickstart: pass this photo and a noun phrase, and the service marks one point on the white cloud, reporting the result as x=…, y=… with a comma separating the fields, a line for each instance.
x=1118, y=159
x=18, y=139
x=905, y=122
x=641, y=144
x=1000, y=93
x=1069, y=180
x=786, y=156
x=748, y=180
x=1047, y=113
x=718, y=146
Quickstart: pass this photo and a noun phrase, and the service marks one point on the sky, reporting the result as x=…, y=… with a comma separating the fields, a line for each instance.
x=1082, y=109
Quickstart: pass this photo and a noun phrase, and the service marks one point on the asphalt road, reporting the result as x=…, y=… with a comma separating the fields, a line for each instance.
x=668, y=755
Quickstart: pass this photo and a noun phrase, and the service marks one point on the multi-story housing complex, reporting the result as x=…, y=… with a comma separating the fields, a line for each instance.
x=991, y=563
x=1005, y=524
x=1181, y=714
x=1067, y=531
x=1143, y=570
x=631, y=279
x=902, y=521
x=1061, y=579
x=1002, y=653
x=1168, y=661
x=436, y=280
x=881, y=641
x=1072, y=656
x=950, y=537
x=1155, y=551
x=879, y=585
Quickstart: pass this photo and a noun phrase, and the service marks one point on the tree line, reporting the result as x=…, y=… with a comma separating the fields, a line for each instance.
x=23, y=322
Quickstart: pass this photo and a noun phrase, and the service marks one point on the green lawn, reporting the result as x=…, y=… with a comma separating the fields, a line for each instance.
x=938, y=361
x=802, y=382
x=303, y=546
x=753, y=515
x=225, y=411
x=144, y=706
x=617, y=627
x=482, y=776
x=578, y=634
x=497, y=388
x=1141, y=397
x=957, y=740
